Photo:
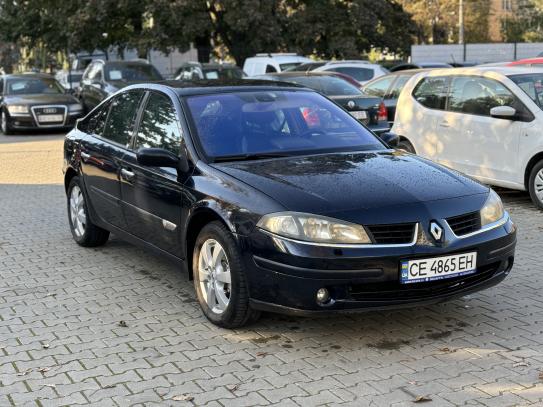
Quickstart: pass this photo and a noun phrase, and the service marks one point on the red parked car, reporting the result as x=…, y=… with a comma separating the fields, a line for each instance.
x=528, y=62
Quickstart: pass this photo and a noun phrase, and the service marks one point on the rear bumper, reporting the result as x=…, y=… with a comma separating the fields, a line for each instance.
x=287, y=282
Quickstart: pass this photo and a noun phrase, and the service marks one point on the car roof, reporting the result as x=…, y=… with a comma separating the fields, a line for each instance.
x=478, y=70
x=527, y=61
x=291, y=74
x=206, y=87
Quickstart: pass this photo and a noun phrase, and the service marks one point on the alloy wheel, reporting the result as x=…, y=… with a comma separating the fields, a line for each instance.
x=77, y=211
x=3, y=123
x=214, y=276
x=538, y=185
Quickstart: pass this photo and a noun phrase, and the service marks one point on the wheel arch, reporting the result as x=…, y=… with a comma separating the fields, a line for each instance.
x=531, y=164
x=198, y=219
x=70, y=174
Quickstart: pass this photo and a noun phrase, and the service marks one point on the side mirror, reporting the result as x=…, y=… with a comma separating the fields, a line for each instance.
x=158, y=157
x=503, y=112
x=392, y=139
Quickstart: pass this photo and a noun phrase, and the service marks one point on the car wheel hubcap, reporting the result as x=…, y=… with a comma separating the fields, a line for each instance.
x=77, y=211
x=3, y=123
x=214, y=276
x=538, y=185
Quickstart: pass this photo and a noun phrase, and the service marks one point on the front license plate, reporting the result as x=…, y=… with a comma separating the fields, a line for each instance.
x=438, y=268
x=50, y=118
x=360, y=115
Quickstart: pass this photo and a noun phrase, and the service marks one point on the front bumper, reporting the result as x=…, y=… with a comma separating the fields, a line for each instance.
x=28, y=122
x=284, y=276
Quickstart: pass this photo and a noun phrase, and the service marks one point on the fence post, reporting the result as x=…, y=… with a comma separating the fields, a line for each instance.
x=514, y=51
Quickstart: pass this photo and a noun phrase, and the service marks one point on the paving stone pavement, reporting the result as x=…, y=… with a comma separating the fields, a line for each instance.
x=61, y=343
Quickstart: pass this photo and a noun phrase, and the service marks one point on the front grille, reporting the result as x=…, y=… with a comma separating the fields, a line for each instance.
x=395, y=291
x=392, y=234
x=464, y=224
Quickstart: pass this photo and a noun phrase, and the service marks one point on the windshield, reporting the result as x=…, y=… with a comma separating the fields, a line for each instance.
x=33, y=86
x=275, y=122
x=328, y=85
x=132, y=72
x=289, y=66
x=532, y=85
x=223, y=73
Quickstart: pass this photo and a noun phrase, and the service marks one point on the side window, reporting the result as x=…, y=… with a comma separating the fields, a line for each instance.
x=96, y=122
x=379, y=87
x=270, y=69
x=396, y=89
x=431, y=92
x=1, y=86
x=158, y=127
x=122, y=117
x=478, y=95
x=360, y=74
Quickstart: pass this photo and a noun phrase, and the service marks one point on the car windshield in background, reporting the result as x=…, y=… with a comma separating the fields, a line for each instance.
x=132, y=72
x=247, y=125
x=328, y=85
x=289, y=66
x=532, y=85
x=224, y=73
x=33, y=86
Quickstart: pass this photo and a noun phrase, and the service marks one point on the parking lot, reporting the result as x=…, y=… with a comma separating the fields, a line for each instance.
x=119, y=326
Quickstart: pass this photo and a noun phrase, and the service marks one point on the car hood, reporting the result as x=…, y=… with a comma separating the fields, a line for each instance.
x=326, y=183
x=40, y=99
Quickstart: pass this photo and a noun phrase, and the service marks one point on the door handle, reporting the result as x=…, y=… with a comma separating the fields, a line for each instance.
x=444, y=124
x=127, y=175
x=85, y=156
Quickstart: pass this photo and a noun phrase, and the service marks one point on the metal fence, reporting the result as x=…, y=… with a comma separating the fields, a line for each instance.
x=479, y=53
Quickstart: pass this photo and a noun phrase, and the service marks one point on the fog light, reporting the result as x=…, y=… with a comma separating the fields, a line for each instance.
x=323, y=295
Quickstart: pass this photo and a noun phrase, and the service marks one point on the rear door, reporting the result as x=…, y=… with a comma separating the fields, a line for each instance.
x=427, y=123
x=485, y=147
x=109, y=135
x=152, y=196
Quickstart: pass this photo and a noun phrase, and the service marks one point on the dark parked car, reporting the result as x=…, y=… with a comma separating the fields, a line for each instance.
x=191, y=71
x=35, y=101
x=275, y=198
x=103, y=78
x=367, y=109
x=388, y=88
x=420, y=65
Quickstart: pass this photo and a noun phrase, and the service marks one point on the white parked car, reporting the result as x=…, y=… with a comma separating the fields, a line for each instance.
x=362, y=71
x=486, y=122
x=270, y=63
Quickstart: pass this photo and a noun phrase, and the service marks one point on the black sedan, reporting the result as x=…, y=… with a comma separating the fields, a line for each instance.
x=274, y=198
x=36, y=101
x=369, y=110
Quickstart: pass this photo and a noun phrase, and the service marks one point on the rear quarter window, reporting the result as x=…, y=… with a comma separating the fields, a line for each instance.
x=431, y=92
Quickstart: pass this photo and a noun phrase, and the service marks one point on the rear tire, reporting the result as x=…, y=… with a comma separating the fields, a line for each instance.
x=406, y=145
x=220, y=278
x=84, y=232
x=535, y=185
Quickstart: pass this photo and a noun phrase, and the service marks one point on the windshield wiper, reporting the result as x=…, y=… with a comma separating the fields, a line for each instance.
x=248, y=157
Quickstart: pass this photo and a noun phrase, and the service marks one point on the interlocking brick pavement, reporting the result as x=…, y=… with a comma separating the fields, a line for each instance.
x=60, y=343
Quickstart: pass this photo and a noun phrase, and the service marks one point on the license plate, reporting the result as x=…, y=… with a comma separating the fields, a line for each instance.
x=438, y=268
x=360, y=115
x=47, y=118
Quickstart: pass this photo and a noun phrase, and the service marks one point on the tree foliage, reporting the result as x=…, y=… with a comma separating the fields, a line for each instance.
x=239, y=28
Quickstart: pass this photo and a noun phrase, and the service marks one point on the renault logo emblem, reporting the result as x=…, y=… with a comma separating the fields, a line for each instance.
x=436, y=231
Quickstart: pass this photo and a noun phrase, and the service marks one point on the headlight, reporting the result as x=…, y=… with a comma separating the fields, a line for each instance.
x=313, y=228
x=492, y=210
x=17, y=109
x=75, y=108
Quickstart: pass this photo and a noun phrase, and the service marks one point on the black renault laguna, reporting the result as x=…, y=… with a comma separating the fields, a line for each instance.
x=276, y=199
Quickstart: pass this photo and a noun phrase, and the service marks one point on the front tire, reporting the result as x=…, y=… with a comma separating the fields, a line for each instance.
x=535, y=185
x=220, y=278
x=5, y=126
x=84, y=232
x=406, y=145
